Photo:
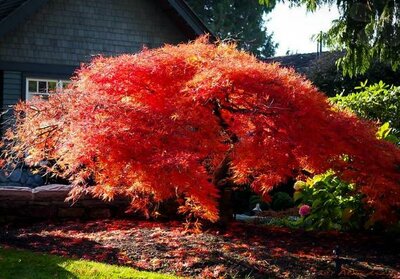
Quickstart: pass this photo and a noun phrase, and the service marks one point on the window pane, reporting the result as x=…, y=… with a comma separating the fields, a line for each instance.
x=32, y=86
x=42, y=86
x=52, y=86
x=65, y=84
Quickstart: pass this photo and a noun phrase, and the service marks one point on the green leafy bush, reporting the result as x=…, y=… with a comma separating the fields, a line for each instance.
x=281, y=201
x=377, y=102
x=334, y=203
x=387, y=133
x=325, y=201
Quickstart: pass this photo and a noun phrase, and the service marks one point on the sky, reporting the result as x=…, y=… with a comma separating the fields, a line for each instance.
x=293, y=27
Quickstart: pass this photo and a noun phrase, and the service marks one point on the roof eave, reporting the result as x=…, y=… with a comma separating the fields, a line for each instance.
x=20, y=14
x=190, y=18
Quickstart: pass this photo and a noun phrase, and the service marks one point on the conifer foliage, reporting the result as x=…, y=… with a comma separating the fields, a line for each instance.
x=162, y=123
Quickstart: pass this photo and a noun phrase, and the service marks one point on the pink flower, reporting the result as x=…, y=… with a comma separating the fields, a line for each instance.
x=304, y=210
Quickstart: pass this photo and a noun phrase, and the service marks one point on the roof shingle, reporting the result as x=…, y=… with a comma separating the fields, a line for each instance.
x=13, y=12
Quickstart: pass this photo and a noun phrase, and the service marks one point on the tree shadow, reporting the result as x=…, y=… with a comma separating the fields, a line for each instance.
x=23, y=264
x=78, y=248
x=89, y=226
x=307, y=252
x=244, y=249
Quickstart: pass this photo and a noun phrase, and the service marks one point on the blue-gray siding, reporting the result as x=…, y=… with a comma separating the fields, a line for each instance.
x=67, y=32
x=12, y=88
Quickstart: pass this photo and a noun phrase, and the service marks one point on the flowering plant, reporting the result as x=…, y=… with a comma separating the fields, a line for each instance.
x=326, y=202
x=304, y=210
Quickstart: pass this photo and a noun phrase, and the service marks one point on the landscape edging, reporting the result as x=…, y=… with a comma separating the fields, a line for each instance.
x=48, y=203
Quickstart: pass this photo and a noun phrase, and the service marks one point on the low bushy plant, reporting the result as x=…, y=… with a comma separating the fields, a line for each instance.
x=388, y=133
x=281, y=201
x=377, y=102
x=326, y=202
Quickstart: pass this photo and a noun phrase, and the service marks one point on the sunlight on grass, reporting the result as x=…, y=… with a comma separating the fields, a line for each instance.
x=29, y=265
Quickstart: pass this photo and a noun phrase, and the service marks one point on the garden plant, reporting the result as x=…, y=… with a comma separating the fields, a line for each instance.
x=326, y=201
x=188, y=122
x=377, y=102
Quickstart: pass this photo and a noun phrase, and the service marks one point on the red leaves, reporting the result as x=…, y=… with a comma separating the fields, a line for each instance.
x=155, y=125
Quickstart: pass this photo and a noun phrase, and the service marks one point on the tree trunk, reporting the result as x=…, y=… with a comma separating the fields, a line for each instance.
x=225, y=207
x=221, y=181
x=221, y=177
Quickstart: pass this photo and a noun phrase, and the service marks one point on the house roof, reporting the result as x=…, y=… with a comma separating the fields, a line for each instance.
x=301, y=62
x=14, y=12
x=186, y=17
x=6, y=7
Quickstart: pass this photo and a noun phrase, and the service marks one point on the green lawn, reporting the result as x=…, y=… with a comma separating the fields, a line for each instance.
x=20, y=264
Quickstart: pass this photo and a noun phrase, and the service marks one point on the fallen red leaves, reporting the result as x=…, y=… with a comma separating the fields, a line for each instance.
x=242, y=250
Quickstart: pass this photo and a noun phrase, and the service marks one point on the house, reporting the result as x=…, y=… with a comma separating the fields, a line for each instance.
x=300, y=62
x=42, y=42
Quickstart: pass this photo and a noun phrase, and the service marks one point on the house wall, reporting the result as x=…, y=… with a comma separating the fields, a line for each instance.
x=67, y=32
x=63, y=33
x=12, y=88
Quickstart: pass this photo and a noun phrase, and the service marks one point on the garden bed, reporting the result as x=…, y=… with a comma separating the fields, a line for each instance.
x=242, y=250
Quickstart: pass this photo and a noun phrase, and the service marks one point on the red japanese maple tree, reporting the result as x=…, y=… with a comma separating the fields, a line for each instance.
x=180, y=121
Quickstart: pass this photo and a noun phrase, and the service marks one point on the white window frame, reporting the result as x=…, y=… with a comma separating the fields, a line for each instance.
x=29, y=94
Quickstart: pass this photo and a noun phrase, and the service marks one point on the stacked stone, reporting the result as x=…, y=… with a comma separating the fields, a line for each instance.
x=48, y=203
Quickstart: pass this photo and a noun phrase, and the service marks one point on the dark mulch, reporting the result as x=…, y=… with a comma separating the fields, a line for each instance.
x=243, y=251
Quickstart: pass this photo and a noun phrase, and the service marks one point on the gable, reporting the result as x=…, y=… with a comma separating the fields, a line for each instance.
x=13, y=12
x=7, y=7
x=67, y=32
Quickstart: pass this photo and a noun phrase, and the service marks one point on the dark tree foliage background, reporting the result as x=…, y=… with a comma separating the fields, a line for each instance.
x=324, y=73
x=368, y=31
x=240, y=20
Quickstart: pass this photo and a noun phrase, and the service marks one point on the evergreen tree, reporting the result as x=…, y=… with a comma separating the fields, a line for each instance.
x=324, y=74
x=368, y=31
x=238, y=20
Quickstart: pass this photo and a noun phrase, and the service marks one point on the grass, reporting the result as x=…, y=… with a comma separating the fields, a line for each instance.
x=24, y=264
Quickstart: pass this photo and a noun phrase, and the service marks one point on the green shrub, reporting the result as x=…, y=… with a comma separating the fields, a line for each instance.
x=377, y=102
x=334, y=203
x=387, y=133
x=281, y=201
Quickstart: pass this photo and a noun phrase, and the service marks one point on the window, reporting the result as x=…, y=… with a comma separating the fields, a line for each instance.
x=44, y=87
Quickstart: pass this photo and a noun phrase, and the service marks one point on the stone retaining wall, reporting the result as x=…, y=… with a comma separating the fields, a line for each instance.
x=48, y=203
x=20, y=177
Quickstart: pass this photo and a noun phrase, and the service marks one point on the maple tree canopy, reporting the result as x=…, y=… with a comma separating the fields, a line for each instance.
x=159, y=124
